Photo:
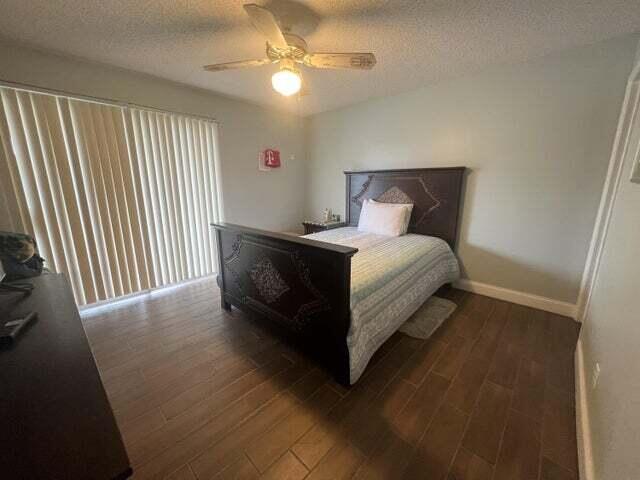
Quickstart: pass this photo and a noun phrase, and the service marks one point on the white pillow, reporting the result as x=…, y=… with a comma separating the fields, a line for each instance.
x=390, y=219
x=408, y=207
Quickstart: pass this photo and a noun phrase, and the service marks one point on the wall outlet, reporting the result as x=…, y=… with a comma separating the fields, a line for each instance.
x=595, y=376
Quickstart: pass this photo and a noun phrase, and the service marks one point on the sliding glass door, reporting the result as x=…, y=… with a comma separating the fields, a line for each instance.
x=119, y=199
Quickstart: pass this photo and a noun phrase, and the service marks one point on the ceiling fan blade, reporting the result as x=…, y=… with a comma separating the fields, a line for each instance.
x=264, y=21
x=360, y=61
x=219, y=67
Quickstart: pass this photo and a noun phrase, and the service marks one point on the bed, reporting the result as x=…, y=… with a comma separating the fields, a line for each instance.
x=341, y=293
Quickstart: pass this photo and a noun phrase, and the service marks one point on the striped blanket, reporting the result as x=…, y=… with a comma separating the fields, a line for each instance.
x=391, y=277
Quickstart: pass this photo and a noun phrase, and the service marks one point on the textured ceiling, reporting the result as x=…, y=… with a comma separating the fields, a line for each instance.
x=415, y=41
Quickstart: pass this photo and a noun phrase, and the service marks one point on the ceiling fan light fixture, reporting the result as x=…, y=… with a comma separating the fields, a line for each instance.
x=286, y=81
x=289, y=50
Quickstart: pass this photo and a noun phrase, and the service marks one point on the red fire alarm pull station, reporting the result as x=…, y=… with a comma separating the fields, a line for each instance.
x=269, y=158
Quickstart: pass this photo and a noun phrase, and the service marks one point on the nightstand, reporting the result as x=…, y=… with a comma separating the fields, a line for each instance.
x=313, y=227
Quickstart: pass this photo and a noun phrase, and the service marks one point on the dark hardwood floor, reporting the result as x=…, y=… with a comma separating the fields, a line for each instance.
x=199, y=393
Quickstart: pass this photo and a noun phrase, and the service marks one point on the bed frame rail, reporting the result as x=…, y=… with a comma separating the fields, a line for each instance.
x=296, y=285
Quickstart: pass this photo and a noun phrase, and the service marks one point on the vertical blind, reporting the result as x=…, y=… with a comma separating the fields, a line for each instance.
x=119, y=199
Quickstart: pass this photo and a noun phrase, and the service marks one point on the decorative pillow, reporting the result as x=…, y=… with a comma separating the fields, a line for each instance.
x=408, y=209
x=390, y=219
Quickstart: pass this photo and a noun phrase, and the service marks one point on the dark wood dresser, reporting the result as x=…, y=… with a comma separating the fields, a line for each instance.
x=314, y=227
x=55, y=419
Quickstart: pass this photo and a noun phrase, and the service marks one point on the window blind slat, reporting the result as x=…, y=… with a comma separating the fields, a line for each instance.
x=147, y=174
x=192, y=200
x=17, y=216
x=205, y=196
x=171, y=192
x=179, y=197
x=97, y=161
x=12, y=217
x=85, y=193
x=142, y=242
x=198, y=168
x=57, y=173
x=209, y=183
x=118, y=203
x=197, y=194
x=40, y=149
x=71, y=178
x=167, y=201
x=128, y=210
x=185, y=185
x=157, y=188
x=28, y=165
x=218, y=172
x=42, y=163
x=113, y=227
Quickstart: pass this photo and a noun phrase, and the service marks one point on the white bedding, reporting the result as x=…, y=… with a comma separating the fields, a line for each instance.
x=391, y=277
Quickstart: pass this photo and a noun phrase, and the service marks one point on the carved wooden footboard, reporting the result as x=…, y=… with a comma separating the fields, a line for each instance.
x=299, y=286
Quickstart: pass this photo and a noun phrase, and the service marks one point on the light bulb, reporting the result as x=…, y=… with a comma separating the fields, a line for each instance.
x=286, y=82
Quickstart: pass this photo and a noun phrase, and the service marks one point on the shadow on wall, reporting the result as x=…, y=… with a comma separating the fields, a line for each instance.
x=512, y=272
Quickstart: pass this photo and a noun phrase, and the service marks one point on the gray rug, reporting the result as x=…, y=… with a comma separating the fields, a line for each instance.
x=428, y=317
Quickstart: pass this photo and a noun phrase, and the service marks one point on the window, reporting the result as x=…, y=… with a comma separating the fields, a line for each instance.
x=119, y=199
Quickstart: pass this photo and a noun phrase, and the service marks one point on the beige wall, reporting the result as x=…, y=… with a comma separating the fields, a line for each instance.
x=270, y=200
x=537, y=138
x=611, y=336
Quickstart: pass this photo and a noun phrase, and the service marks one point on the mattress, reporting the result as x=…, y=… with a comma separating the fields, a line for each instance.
x=391, y=277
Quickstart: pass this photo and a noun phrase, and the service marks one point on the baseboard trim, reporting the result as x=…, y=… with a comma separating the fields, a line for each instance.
x=521, y=298
x=583, y=431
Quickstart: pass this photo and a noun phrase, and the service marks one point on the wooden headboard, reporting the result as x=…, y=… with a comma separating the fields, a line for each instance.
x=434, y=192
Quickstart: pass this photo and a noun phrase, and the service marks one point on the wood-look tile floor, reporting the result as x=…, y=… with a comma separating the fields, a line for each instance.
x=199, y=393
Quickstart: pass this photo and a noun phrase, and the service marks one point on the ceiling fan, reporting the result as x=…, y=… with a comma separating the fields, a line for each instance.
x=289, y=50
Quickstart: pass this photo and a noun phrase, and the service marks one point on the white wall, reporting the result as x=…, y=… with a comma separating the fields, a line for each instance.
x=537, y=138
x=611, y=336
x=270, y=200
